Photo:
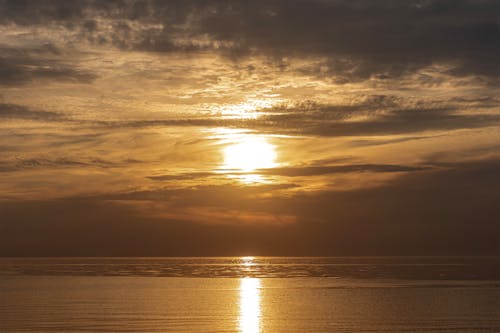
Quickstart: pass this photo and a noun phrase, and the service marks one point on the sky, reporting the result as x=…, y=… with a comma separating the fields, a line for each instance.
x=219, y=128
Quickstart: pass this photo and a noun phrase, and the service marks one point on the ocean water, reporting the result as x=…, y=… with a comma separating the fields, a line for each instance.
x=249, y=295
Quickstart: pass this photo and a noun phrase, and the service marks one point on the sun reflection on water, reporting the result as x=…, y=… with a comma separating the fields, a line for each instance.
x=249, y=320
x=247, y=261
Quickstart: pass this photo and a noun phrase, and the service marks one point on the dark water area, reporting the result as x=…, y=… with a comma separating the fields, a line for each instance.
x=408, y=268
x=250, y=295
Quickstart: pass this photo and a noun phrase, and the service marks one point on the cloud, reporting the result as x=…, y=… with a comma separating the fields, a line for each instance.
x=379, y=142
x=20, y=164
x=352, y=41
x=357, y=119
x=361, y=39
x=183, y=176
x=333, y=169
x=20, y=66
x=13, y=111
x=296, y=171
x=39, y=12
x=405, y=121
x=374, y=115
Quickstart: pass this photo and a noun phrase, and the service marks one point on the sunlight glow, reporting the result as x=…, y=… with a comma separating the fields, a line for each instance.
x=249, y=178
x=250, y=154
x=244, y=153
x=249, y=305
x=247, y=110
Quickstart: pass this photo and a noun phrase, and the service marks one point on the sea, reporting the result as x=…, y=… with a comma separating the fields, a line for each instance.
x=250, y=294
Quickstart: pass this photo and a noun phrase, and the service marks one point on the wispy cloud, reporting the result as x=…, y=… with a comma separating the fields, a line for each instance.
x=332, y=169
x=30, y=65
x=13, y=111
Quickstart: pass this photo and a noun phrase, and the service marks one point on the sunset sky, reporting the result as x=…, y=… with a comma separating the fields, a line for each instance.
x=279, y=127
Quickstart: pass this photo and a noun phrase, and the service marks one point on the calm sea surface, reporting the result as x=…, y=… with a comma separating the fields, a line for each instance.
x=261, y=294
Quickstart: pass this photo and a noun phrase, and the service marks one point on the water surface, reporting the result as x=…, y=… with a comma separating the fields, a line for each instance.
x=250, y=295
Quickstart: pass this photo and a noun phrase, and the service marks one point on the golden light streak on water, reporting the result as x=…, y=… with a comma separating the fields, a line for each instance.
x=250, y=312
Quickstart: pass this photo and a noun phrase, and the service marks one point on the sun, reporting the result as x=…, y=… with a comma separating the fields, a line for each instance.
x=251, y=154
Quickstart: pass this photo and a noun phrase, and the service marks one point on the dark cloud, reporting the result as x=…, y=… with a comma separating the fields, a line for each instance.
x=216, y=195
x=326, y=170
x=28, y=12
x=405, y=121
x=183, y=176
x=360, y=39
x=20, y=164
x=384, y=118
x=379, y=142
x=355, y=40
x=376, y=115
x=13, y=111
x=297, y=171
x=36, y=12
x=21, y=66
